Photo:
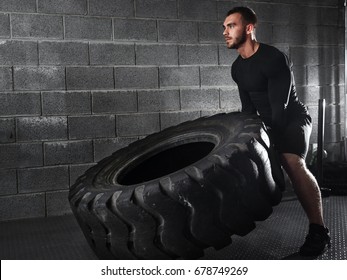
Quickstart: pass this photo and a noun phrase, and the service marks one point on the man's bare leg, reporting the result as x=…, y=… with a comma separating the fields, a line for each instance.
x=305, y=186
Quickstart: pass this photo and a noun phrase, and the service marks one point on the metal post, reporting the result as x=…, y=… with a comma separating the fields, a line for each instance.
x=320, y=148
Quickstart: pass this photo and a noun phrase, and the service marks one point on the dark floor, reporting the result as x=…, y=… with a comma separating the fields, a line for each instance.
x=279, y=237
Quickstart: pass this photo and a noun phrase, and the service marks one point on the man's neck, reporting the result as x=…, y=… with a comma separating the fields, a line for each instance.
x=248, y=49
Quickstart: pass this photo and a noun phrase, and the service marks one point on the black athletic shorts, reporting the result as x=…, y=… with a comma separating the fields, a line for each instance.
x=295, y=138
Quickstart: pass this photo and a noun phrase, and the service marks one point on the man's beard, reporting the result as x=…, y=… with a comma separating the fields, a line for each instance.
x=239, y=41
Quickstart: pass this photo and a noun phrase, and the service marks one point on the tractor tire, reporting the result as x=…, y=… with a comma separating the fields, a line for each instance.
x=177, y=192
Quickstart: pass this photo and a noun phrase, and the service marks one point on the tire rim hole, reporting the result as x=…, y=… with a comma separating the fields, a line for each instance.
x=164, y=163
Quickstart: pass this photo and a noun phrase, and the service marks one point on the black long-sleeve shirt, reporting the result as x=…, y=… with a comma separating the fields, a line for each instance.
x=266, y=85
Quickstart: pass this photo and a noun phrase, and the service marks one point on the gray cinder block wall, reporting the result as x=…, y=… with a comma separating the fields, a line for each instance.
x=80, y=79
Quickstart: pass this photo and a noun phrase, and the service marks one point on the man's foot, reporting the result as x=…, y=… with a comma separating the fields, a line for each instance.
x=317, y=241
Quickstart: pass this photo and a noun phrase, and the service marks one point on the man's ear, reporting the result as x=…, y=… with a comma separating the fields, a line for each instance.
x=250, y=28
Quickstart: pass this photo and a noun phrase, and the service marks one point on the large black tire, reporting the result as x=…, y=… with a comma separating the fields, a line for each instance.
x=179, y=191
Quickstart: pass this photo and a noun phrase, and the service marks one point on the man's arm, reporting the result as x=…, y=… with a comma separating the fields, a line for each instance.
x=279, y=88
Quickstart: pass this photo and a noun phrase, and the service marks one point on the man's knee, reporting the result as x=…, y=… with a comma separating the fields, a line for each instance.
x=292, y=162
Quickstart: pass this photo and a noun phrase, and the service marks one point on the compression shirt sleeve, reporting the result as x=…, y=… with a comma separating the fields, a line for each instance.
x=279, y=87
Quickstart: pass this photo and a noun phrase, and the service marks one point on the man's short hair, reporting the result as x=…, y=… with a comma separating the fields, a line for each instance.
x=248, y=15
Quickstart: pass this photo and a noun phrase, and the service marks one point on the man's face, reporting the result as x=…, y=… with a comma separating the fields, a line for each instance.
x=234, y=31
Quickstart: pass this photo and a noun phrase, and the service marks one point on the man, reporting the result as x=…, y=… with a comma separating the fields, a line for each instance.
x=266, y=86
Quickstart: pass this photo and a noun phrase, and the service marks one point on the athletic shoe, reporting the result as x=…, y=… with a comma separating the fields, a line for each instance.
x=317, y=241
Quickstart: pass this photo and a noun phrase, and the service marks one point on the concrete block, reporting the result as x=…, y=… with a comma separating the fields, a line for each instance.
x=331, y=3
x=168, y=119
x=66, y=103
x=312, y=55
x=26, y=6
x=137, y=124
x=39, y=78
x=92, y=127
x=333, y=132
x=68, y=152
x=340, y=36
x=112, y=54
x=306, y=35
x=57, y=203
x=41, y=128
x=75, y=7
x=223, y=7
x=178, y=31
x=7, y=130
x=307, y=15
x=325, y=75
x=292, y=35
x=105, y=147
x=265, y=33
x=339, y=72
x=309, y=95
x=156, y=55
x=43, y=179
x=210, y=113
x=77, y=171
x=216, y=76
x=114, y=8
x=89, y=78
x=128, y=29
x=211, y=32
x=6, y=83
x=333, y=94
x=161, y=100
x=314, y=134
x=198, y=54
x=37, y=26
x=114, y=101
x=179, y=76
x=230, y=99
x=22, y=206
x=21, y=155
x=333, y=113
x=8, y=181
x=300, y=75
x=331, y=16
x=18, y=53
x=313, y=110
x=63, y=53
x=156, y=9
x=136, y=77
x=333, y=55
x=226, y=56
x=199, y=99
x=276, y=14
x=198, y=9
x=77, y=27
x=305, y=56
x=5, y=31
x=20, y=103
